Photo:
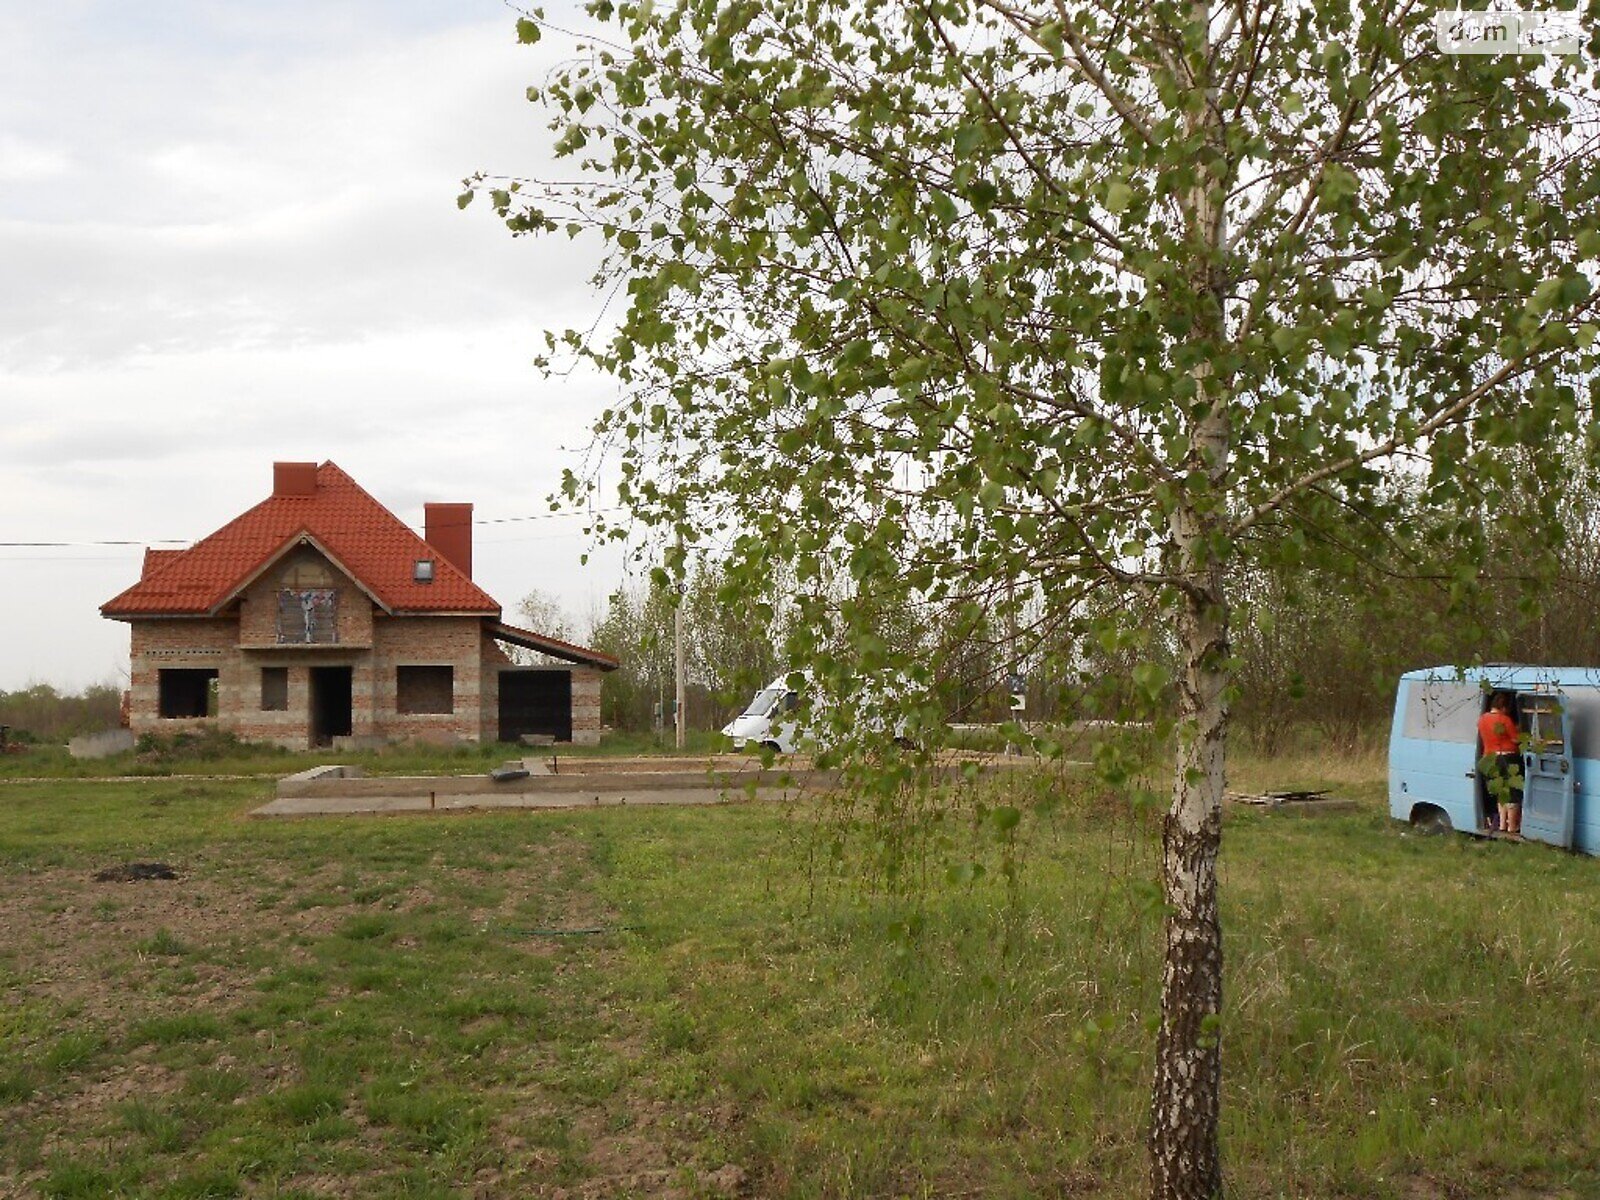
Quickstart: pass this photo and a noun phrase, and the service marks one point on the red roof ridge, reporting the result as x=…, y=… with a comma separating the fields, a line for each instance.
x=347, y=524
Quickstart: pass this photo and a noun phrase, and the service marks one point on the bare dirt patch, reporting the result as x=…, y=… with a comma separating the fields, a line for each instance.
x=86, y=946
x=165, y=980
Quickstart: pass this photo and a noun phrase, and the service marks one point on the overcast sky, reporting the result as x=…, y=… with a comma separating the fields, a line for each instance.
x=228, y=236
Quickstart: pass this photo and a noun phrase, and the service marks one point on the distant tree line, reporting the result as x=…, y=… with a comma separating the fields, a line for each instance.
x=1318, y=645
x=1319, y=649
x=42, y=714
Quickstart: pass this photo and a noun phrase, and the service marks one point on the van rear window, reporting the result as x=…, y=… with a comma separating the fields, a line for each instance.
x=1440, y=710
x=1541, y=724
x=1583, y=707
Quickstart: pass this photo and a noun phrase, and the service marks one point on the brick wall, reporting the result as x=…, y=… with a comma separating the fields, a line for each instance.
x=585, y=706
x=456, y=642
x=182, y=644
x=493, y=658
x=292, y=727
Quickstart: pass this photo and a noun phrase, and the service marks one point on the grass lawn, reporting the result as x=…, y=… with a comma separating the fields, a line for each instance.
x=703, y=1002
x=211, y=754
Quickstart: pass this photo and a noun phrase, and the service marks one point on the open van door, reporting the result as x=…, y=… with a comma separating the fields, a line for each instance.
x=1548, y=777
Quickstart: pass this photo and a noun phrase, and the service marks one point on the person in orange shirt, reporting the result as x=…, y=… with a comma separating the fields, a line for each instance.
x=1501, y=764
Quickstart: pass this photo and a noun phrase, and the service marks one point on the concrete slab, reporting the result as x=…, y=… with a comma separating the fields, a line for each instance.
x=307, y=806
x=313, y=774
x=564, y=783
x=308, y=784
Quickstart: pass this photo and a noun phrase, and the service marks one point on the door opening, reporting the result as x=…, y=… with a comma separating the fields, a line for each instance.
x=1490, y=816
x=330, y=704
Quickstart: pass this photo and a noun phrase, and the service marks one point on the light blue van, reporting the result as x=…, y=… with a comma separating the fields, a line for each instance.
x=1433, y=750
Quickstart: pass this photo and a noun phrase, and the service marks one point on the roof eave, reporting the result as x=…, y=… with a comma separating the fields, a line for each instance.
x=554, y=647
x=481, y=613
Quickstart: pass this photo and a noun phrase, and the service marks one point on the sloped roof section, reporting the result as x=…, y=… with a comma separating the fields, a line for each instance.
x=154, y=560
x=554, y=647
x=366, y=539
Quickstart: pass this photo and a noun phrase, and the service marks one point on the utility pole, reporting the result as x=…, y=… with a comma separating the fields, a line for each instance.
x=677, y=654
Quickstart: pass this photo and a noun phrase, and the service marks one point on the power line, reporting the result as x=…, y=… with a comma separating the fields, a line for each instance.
x=55, y=545
x=549, y=516
x=588, y=512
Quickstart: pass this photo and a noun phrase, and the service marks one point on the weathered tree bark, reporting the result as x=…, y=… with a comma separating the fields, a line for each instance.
x=1185, y=1101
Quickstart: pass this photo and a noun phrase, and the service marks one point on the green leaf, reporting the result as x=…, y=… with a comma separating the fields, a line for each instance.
x=968, y=138
x=1152, y=679
x=1118, y=196
x=465, y=198
x=528, y=32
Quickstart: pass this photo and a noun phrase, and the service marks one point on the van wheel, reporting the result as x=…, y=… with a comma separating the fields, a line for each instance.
x=1429, y=820
x=904, y=743
x=773, y=746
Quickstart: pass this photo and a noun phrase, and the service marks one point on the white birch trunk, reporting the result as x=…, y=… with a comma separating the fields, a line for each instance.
x=1185, y=1101
x=1186, y=1093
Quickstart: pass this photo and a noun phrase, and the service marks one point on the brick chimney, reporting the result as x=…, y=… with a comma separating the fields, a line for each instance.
x=294, y=479
x=448, y=529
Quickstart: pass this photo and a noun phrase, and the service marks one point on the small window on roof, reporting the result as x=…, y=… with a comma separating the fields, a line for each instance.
x=423, y=572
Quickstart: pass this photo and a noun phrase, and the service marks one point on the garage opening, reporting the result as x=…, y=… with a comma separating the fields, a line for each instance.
x=536, y=701
x=330, y=704
x=187, y=692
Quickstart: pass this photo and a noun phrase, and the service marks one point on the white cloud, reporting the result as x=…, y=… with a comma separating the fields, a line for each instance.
x=231, y=237
x=22, y=161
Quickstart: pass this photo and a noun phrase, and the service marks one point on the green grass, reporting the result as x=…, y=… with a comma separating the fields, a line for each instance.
x=227, y=757
x=397, y=1007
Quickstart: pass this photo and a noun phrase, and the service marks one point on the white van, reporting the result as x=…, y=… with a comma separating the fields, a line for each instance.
x=763, y=723
x=769, y=721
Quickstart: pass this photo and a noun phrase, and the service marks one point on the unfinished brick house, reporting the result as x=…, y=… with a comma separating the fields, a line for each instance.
x=318, y=614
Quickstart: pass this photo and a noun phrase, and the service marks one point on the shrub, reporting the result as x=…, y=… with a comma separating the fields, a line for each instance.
x=205, y=743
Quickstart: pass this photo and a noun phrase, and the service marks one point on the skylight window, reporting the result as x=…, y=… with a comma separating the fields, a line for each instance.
x=423, y=572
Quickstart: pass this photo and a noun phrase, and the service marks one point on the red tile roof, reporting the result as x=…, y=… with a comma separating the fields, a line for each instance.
x=361, y=535
x=154, y=560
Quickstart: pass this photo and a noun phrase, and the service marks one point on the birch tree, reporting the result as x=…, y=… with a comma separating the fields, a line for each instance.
x=981, y=298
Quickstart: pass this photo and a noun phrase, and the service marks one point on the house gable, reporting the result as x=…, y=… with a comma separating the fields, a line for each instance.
x=304, y=598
